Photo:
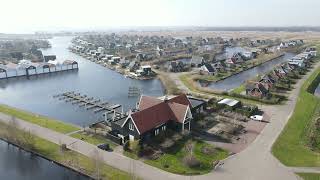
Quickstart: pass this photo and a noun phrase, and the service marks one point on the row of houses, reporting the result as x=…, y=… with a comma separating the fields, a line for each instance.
x=261, y=88
x=302, y=59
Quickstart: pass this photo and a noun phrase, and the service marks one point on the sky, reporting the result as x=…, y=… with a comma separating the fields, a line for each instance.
x=25, y=16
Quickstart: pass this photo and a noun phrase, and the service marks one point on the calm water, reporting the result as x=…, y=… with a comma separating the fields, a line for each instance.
x=236, y=80
x=17, y=164
x=35, y=94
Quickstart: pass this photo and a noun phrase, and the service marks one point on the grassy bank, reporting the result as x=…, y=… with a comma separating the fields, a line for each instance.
x=94, y=139
x=188, y=81
x=168, y=83
x=54, y=152
x=291, y=148
x=39, y=120
x=245, y=66
x=309, y=176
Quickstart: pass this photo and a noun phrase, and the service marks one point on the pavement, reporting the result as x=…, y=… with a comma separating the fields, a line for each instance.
x=253, y=163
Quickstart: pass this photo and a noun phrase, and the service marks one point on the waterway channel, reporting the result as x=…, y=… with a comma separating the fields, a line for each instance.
x=16, y=164
x=35, y=94
x=236, y=80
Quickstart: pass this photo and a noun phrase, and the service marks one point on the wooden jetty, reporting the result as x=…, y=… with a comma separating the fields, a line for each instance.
x=90, y=103
x=134, y=91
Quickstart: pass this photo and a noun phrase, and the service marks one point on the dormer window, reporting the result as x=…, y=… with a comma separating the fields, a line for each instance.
x=131, y=126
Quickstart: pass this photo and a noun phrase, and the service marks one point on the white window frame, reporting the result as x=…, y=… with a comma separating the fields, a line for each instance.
x=156, y=132
x=163, y=128
x=131, y=126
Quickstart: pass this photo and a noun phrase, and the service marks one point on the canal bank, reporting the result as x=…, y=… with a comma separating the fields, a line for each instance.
x=71, y=173
x=236, y=80
x=91, y=79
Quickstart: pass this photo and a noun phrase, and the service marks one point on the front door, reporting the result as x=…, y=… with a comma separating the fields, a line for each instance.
x=131, y=138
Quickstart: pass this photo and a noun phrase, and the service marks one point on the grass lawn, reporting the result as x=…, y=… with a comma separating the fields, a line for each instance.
x=189, y=82
x=309, y=176
x=239, y=89
x=69, y=158
x=172, y=161
x=92, y=138
x=39, y=120
x=291, y=146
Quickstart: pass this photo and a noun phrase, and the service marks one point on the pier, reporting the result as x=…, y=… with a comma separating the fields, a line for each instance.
x=95, y=105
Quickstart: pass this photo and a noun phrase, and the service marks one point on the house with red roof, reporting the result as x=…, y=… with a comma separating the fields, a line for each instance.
x=154, y=115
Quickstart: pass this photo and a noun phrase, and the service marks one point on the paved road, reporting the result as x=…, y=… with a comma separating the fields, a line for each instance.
x=254, y=163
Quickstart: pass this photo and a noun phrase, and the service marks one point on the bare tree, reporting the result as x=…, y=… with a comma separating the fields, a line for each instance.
x=97, y=163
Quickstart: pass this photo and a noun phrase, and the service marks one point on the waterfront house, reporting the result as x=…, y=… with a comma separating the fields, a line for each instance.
x=267, y=81
x=133, y=66
x=312, y=51
x=207, y=69
x=155, y=115
x=218, y=66
x=197, y=61
x=146, y=70
x=177, y=66
x=256, y=89
x=124, y=63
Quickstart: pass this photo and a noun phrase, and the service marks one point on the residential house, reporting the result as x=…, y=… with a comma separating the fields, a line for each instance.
x=197, y=61
x=218, y=66
x=256, y=89
x=133, y=66
x=124, y=63
x=155, y=115
x=207, y=69
x=267, y=81
x=177, y=66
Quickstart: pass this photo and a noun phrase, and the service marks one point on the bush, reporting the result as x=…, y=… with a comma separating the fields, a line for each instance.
x=208, y=150
x=191, y=161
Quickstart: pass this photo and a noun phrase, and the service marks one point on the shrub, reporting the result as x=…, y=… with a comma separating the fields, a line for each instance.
x=208, y=150
x=191, y=161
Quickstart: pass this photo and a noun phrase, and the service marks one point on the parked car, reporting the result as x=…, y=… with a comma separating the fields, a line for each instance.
x=256, y=117
x=105, y=147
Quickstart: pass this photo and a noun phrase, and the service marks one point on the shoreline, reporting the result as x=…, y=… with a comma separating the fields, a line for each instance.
x=115, y=69
x=271, y=59
x=46, y=158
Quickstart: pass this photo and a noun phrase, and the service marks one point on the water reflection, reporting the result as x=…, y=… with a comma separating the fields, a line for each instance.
x=236, y=80
x=35, y=94
x=17, y=164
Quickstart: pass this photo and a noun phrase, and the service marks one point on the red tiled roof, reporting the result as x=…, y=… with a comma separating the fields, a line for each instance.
x=147, y=101
x=181, y=99
x=154, y=112
x=179, y=111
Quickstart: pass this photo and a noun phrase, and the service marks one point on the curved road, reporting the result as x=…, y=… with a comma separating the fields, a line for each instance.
x=254, y=163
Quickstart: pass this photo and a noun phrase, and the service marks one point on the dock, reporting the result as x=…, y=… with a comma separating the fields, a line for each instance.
x=93, y=104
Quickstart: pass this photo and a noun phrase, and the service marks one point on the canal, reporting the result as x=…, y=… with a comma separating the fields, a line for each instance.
x=16, y=164
x=35, y=94
x=236, y=80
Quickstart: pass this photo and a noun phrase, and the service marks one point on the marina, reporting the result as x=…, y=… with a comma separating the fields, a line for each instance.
x=93, y=79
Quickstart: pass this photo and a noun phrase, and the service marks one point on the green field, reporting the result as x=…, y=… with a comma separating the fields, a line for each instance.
x=309, y=176
x=291, y=148
x=172, y=161
x=67, y=157
x=39, y=120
